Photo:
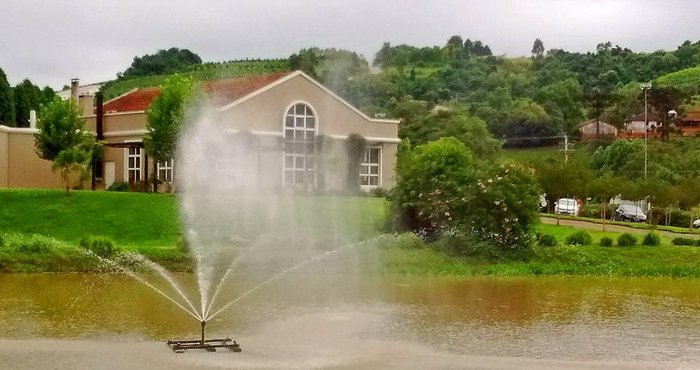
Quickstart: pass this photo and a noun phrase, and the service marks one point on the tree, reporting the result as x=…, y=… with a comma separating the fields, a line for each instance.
x=605, y=188
x=664, y=99
x=7, y=106
x=383, y=57
x=537, y=51
x=165, y=117
x=27, y=97
x=62, y=139
x=162, y=62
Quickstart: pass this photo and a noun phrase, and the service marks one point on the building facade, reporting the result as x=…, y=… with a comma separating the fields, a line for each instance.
x=298, y=127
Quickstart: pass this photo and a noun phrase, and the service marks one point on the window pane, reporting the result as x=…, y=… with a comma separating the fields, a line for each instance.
x=310, y=122
x=131, y=162
x=289, y=121
x=299, y=162
x=374, y=181
x=289, y=134
x=363, y=170
x=374, y=170
x=309, y=135
x=374, y=155
x=364, y=180
x=299, y=122
x=288, y=161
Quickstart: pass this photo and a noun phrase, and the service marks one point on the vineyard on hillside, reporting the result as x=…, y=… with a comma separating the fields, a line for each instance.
x=201, y=72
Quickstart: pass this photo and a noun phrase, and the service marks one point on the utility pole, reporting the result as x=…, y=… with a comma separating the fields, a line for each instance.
x=566, y=149
x=645, y=87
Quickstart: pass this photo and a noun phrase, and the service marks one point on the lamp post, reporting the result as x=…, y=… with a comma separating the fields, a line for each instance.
x=645, y=87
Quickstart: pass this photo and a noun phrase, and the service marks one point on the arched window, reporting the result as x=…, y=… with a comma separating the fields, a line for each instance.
x=299, y=146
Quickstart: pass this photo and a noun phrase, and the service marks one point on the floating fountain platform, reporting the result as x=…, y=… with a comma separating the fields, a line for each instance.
x=210, y=345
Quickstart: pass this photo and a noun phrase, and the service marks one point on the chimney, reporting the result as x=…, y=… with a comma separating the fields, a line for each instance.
x=32, y=118
x=74, y=83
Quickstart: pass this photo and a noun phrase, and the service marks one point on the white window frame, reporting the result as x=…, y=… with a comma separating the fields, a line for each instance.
x=369, y=165
x=295, y=130
x=167, y=167
x=127, y=155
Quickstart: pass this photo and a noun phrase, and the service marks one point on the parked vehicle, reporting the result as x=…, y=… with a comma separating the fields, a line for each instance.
x=696, y=224
x=567, y=206
x=629, y=212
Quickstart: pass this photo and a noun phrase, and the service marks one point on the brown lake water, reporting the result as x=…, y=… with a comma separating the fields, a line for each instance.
x=329, y=321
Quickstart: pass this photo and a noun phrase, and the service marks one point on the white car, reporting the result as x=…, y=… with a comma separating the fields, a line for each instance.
x=566, y=206
x=696, y=224
x=629, y=212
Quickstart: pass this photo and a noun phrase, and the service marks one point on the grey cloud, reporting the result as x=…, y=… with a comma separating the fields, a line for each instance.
x=52, y=41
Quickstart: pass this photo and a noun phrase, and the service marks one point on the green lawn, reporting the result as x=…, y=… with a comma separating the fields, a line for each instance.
x=149, y=223
x=131, y=219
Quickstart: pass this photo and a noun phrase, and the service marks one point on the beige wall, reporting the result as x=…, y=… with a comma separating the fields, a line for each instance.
x=4, y=158
x=266, y=111
x=23, y=167
x=119, y=122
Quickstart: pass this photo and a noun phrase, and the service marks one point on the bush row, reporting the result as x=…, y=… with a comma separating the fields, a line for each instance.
x=624, y=240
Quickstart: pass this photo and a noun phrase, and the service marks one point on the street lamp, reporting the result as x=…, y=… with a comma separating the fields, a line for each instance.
x=645, y=87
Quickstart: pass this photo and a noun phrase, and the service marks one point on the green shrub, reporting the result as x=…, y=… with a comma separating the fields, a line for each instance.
x=626, y=240
x=684, y=241
x=651, y=239
x=606, y=241
x=33, y=245
x=547, y=240
x=2, y=242
x=99, y=245
x=579, y=238
x=442, y=187
x=119, y=186
x=380, y=192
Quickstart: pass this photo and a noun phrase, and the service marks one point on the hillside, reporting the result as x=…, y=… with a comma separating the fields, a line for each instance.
x=200, y=72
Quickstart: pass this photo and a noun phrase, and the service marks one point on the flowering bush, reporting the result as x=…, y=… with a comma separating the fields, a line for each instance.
x=443, y=187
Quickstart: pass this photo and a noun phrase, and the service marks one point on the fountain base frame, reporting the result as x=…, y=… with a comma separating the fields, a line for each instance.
x=210, y=345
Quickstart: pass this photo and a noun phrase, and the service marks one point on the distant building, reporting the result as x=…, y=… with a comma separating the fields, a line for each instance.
x=690, y=123
x=635, y=124
x=286, y=114
x=593, y=128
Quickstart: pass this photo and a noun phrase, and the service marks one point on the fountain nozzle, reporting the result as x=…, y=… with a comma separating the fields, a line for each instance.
x=204, y=323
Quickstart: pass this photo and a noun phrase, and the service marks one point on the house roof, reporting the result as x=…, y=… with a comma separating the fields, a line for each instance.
x=602, y=123
x=221, y=92
x=651, y=116
x=692, y=116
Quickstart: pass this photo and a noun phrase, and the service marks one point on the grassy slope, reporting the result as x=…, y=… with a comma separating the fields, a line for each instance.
x=131, y=219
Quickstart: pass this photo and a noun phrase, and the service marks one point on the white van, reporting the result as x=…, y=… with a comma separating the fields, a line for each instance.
x=566, y=206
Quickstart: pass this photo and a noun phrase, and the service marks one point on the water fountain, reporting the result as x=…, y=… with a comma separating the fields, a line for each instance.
x=231, y=223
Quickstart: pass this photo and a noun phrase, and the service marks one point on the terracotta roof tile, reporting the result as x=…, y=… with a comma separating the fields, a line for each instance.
x=221, y=92
x=134, y=101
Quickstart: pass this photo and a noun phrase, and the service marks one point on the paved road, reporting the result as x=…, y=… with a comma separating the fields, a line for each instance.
x=608, y=227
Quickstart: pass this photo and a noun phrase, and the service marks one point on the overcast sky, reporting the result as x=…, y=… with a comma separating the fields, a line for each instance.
x=51, y=41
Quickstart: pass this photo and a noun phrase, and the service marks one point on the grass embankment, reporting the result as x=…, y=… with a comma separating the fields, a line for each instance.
x=406, y=255
x=41, y=229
